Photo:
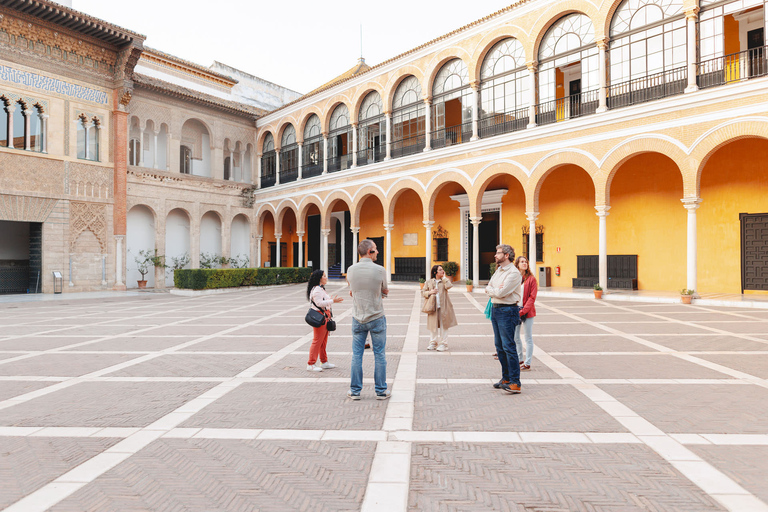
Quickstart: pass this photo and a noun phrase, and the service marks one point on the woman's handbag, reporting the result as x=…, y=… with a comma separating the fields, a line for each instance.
x=315, y=318
x=430, y=305
x=330, y=324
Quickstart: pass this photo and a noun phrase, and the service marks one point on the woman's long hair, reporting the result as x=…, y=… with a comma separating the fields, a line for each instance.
x=314, y=280
x=527, y=272
x=433, y=272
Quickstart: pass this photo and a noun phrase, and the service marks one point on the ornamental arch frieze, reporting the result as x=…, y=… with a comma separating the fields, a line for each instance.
x=88, y=217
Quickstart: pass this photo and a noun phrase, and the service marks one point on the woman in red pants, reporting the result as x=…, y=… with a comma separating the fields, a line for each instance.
x=319, y=301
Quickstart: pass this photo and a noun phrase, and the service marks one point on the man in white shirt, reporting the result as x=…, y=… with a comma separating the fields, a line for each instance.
x=504, y=290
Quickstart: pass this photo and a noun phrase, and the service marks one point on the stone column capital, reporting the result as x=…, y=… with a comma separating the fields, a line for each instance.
x=325, y=232
x=354, y=229
x=602, y=211
x=691, y=203
x=475, y=84
x=428, y=224
x=259, y=238
x=602, y=43
x=300, y=233
x=692, y=13
x=278, y=235
x=532, y=216
x=388, y=227
x=532, y=65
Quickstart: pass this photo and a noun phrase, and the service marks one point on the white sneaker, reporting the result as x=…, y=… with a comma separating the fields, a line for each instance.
x=313, y=368
x=442, y=347
x=432, y=345
x=327, y=366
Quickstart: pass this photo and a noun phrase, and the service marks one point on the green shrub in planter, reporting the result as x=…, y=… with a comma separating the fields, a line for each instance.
x=211, y=278
x=451, y=268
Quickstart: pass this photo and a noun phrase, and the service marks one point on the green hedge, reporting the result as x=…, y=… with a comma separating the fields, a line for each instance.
x=209, y=278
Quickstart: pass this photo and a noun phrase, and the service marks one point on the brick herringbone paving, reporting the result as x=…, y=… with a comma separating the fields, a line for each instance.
x=295, y=365
x=659, y=327
x=42, y=342
x=747, y=465
x=191, y=365
x=703, y=408
x=716, y=342
x=445, y=365
x=739, y=326
x=311, y=406
x=605, y=343
x=242, y=344
x=552, y=478
x=482, y=342
x=63, y=365
x=651, y=366
x=137, y=343
x=206, y=475
x=28, y=463
x=341, y=341
x=753, y=364
x=104, y=404
x=540, y=408
x=9, y=389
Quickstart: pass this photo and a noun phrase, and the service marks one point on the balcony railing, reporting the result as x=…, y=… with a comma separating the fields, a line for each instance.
x=289, y=174
x=576, y=105
x=451, y=135
x=311, y=170
x=503, y=122
x=733, y=68
x=339, y=163
x=268, y=181
x=370, y=155
x=648, y=88
x=408, y=145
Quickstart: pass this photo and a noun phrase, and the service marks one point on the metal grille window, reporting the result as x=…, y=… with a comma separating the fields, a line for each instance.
x=451, y=117
x=312, y=158
x=731, y=41
x=503, y=89
x=371, y=130
x=340, y=140
x=268, y=162
x=568, y=70
x=408, y=116
x=289, y=156
x=647, y=51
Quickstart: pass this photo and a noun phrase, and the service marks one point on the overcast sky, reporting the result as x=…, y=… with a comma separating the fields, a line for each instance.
x=298, y=44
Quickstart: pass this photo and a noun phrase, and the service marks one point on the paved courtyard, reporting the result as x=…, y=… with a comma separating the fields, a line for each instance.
x=160, y=402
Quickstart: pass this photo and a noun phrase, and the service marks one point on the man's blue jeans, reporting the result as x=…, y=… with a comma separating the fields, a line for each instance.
x=504, y=320
x=378, y=330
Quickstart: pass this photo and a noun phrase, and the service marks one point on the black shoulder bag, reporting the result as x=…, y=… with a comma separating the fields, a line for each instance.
x=316, y=318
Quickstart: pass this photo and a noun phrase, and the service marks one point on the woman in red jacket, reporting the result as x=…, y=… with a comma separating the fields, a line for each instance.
x=527, y=313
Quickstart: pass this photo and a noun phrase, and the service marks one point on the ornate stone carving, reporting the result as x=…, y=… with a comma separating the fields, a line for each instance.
x=88, y=216
x=85, y=180
x=25, y=209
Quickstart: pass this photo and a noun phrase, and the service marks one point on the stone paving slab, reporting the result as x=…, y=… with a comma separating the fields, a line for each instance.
x=63, y=365
x=477, y=343
x=651, y=366
x=12, y=388
x=28, y=463
x=199, y=475
x=101, y=330
x=566, y=328
x=747, y=465
x=597, y=343
x=446, y=365
x=139, y=343
x=650, y=327
x=43, y=342
x=191, y=365
x=290, y=405
x=753, y=364
x=717, y=342
x=539, y=408
x=295, y=365
x=184, y=330
x=103, y=404
x=548, y=478
x=242, y=344
x=703, y=408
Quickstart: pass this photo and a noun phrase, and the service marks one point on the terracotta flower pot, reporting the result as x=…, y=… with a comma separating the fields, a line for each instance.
x=686, y=298
x=142, y=284
x=598, y=294
x=469, y=288
x=421, y=286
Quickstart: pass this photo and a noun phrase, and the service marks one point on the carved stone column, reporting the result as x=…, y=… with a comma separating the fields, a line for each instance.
x=354, y=145
x=258, y=251
x=475, y=110
x=301, y=159
x=388, y=119
x=602, y=102
x=532, y=216
x=355, y=233
x=428, y=228
x=475, y=249
x=691, y=17
x=325, y=152
x=278, y=256
x=428, y=124
x=324, y=234
x=602, y=213
x=692, y=204
x=300, y=234
x=532, y=66
x=44, y=131
x=388, y=251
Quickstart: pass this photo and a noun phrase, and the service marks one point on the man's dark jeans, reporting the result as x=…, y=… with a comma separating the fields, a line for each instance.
x=504, y=320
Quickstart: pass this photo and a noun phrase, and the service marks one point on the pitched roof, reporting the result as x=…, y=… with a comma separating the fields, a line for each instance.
x=153, y=55
x=360, y=67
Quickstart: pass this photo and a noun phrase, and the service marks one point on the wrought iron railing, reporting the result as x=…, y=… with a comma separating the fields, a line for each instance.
x=451, y=135
x=503, y=122
x=370, y=155
x=648, y=88
x=339, y=163
x=311, y=170
x=576, y=105
x=408, y=145
x=267, y=180
x=733, y=67
x=289, y=174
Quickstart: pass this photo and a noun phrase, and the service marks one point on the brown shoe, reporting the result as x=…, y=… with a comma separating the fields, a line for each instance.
x=512, y=389
x=525, y=367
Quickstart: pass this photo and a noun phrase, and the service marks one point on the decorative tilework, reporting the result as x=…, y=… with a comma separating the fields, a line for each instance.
x=66, y=127
x=15, y=76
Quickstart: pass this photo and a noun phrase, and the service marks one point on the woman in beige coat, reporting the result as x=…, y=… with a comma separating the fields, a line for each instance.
x=443, y=318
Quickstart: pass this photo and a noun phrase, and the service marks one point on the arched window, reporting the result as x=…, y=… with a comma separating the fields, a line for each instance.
x=731, y=41
x=504, y=89
x=268, y=162
x=408, y=116
x=312, y=159
x=451, y=117
x=134, y=150
x=19, y=126
x=647, y=51
x=228, y=168
x=185, y=160
x=35, y=129
x=339, y=140
x=4, y=117
x=88, y=138
x=93, y=140
x=568, y=70
x=289, y=156
x=371, y=130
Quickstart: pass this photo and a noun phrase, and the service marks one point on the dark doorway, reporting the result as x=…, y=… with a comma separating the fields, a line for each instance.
x=296, y=262
x=755, y=43
x=283, y=254
x=348, y=249
x=313, y=241
x=381, y=257
x=334, y=249
x=21, y=257
x=574, y=91
x=754, y=251
x=489, y=239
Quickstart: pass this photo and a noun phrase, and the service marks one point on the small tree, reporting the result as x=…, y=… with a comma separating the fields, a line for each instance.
x=212, y=260
x=240, y=261
x=147, y=259
x=450, y=268
x=178, y=262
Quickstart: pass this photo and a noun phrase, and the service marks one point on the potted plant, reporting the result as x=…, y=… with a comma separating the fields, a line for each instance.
x=492, y=267
x=145, y=260
x=469, y=285
x=598, y=291
x=686, y=295
x=451, y=268
x=421, y=283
